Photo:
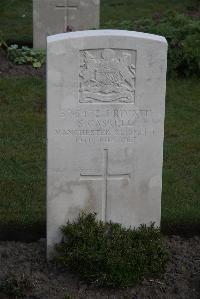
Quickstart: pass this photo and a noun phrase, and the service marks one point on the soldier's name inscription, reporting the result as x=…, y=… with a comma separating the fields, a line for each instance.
x=106, y=125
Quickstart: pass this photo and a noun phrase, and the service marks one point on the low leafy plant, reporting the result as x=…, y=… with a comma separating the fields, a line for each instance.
x=182, y=33
x=106, y=254
x=26, y=55
x=15, y=286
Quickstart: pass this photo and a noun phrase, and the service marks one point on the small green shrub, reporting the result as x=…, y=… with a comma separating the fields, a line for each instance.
x=106, y=254
x=26, y=55
x=183, y=35
x=15, y=286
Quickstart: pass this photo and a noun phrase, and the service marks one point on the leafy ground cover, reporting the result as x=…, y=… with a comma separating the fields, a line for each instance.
x=107, y=254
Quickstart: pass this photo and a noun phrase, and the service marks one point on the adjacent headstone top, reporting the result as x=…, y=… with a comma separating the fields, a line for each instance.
x=106, y=106
x=57, y=16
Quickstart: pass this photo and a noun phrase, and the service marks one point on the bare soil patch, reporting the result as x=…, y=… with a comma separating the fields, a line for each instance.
x=181, y=280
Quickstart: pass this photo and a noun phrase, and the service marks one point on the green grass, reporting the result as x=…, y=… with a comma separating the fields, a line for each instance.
x=16, y=21
x=181, y=175
x=22, y=167
x=16, y=15
x=135, y=9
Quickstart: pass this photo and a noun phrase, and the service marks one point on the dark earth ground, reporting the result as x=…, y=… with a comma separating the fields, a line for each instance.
x=181, y=280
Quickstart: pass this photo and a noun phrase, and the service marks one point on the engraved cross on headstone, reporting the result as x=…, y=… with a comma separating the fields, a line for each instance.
x=68, y=5
x=105, y=177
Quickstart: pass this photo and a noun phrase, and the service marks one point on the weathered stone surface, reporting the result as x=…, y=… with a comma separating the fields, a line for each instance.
x=106, y=106
x=57, y=16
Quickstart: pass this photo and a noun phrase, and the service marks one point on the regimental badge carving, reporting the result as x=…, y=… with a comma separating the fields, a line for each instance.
x=107, y=75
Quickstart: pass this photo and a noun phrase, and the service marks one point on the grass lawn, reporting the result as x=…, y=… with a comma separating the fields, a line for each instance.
x=16, y=21
x=22, y=164
x=22, y=169
x=135, y=9
x=181, y=173
x=16, y=15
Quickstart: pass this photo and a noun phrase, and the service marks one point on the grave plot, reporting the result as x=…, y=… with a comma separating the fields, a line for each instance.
x=106, y=105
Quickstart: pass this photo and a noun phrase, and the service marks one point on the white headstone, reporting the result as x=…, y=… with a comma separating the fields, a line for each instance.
x=57, y=16
x=106, y=106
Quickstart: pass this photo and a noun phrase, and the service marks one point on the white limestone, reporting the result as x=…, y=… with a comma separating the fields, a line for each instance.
x=106, y=106
x=57, y=16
